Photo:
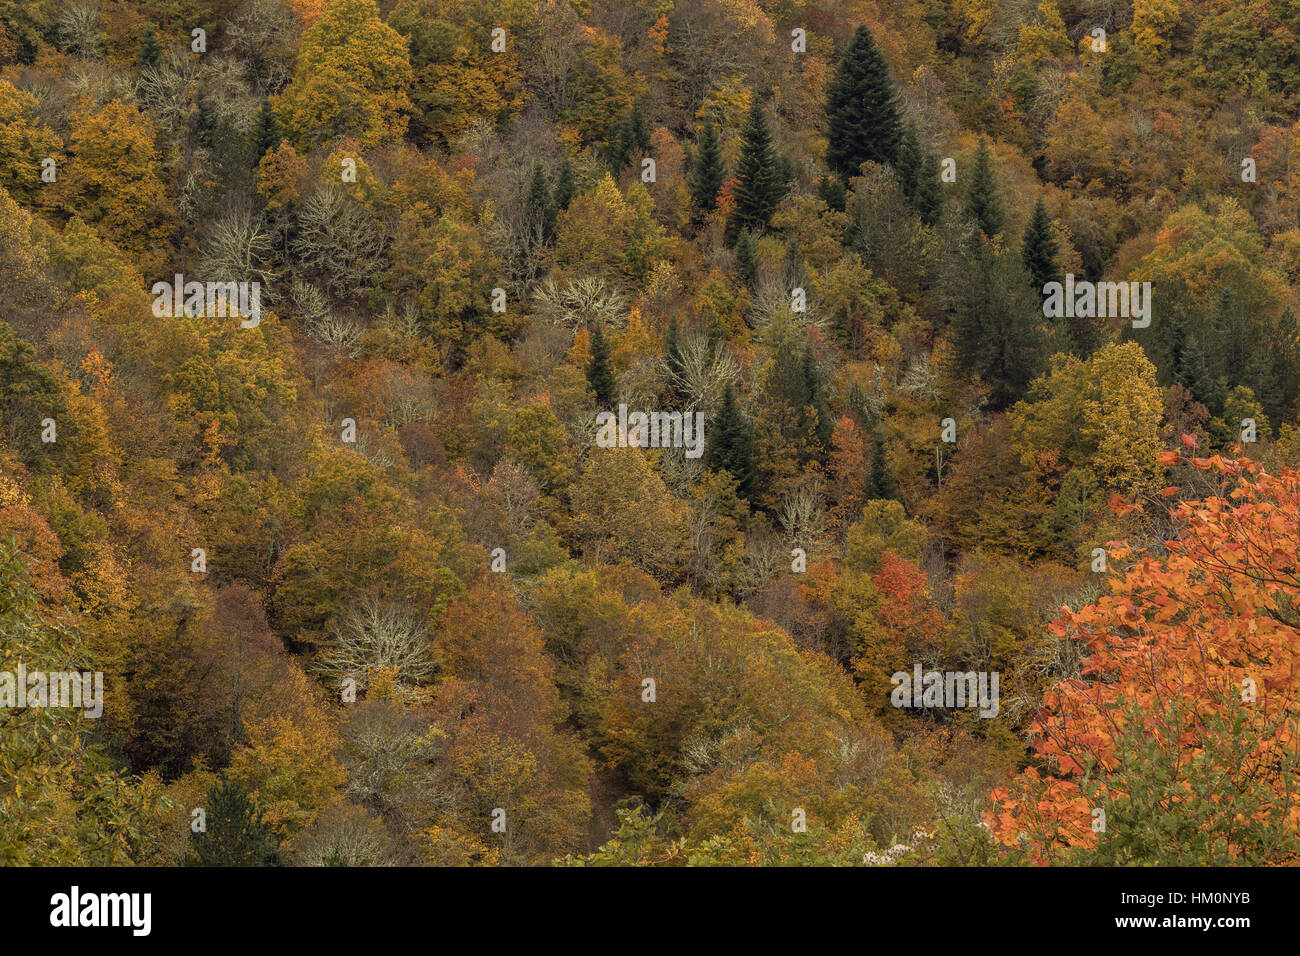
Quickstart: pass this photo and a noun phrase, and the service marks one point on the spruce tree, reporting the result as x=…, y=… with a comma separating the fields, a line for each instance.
x=815, y=396
x=707, y=172
x=205, y=121
x=539, y=207
x=758, y=183
x=150, y=52
x=982, y=203
x=996, y=324
x=633, y=138
x=1197, y=379
x=266, y=134
x=928, y=200
x=1039, y=250
x=565, y=188
x=729, y=446
x=600, y=376
x=881, y=483
x=235, y=833
x=747, y=257
x=861, y=110
x=908, y=166
x=831, y=190
x=795, y=272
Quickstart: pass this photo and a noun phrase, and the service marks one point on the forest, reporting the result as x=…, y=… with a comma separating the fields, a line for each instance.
x=649, y=432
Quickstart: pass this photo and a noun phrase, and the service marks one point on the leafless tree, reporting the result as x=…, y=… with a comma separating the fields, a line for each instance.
x=579, y=302
x=78, y=25
x=338, y=241
x=377, y=634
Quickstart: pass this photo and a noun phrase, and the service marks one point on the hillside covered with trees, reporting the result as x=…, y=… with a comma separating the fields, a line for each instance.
x=987, y=310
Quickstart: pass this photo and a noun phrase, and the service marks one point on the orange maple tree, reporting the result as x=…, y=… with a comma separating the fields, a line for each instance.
x=1191, y=647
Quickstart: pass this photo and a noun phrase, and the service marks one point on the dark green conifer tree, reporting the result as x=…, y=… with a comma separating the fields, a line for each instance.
x=928, y=200
x=729, y=446
x=565, y=188
x=982, y=203
x=747, y=257
x=758, y=182
x=235, y=834
x=266, y=134
x=539, y=206
x=150, y=52
x=861, y=110
x=1039, y=250
x=881, y=483
x=707, y=172
x=600, y=375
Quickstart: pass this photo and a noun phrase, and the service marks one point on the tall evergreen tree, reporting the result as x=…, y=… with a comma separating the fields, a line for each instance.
x=266, y=134
x=758, y=182
x=565, y=188
x=600, y=375
x=928, y=198
x=982, y=203
x=633, y=138
x=235, y=834
x=815, y=396
x=1039, y=250
x=747, y=257
x=796, y=274
x=730, y=444
x=707, y=172
x=539, y=207
x=996, y=321
x=831, y=190
x=205, y=120
x=150, y=52
x=881, y=482
x=908, y=165
x=1083, y=333
x=861, y=109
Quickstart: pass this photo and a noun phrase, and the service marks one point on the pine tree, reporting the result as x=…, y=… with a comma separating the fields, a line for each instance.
x=1039, y=250
x=205, y=121
x=150, y=52
x=633, y=138
x=881, y=483
x=600, y=376
x=730, y=446
x=707, y=172
x=1084, y=334
x=909, y=162
x=982, y=203
x=831, y=190
x=266, y=134
x=539, y=207
x=1198, y=380
x=996, y=325
x=565, y=188
x=235, y=834
x=758, y=183
x=815, y=396
x=861, y=110
x=1177, y=334
x=928, y=201
x=747, y=257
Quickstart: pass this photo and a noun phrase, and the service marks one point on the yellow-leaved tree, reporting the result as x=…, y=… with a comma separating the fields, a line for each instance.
x=352, y=79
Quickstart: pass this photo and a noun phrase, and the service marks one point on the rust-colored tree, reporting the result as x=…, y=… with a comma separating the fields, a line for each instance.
x=1181, y=728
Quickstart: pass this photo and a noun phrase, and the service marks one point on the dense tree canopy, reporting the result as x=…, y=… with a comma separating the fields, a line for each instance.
x=589, y=413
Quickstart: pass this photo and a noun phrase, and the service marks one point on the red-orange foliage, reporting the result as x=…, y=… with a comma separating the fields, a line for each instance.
x=1189, y=630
